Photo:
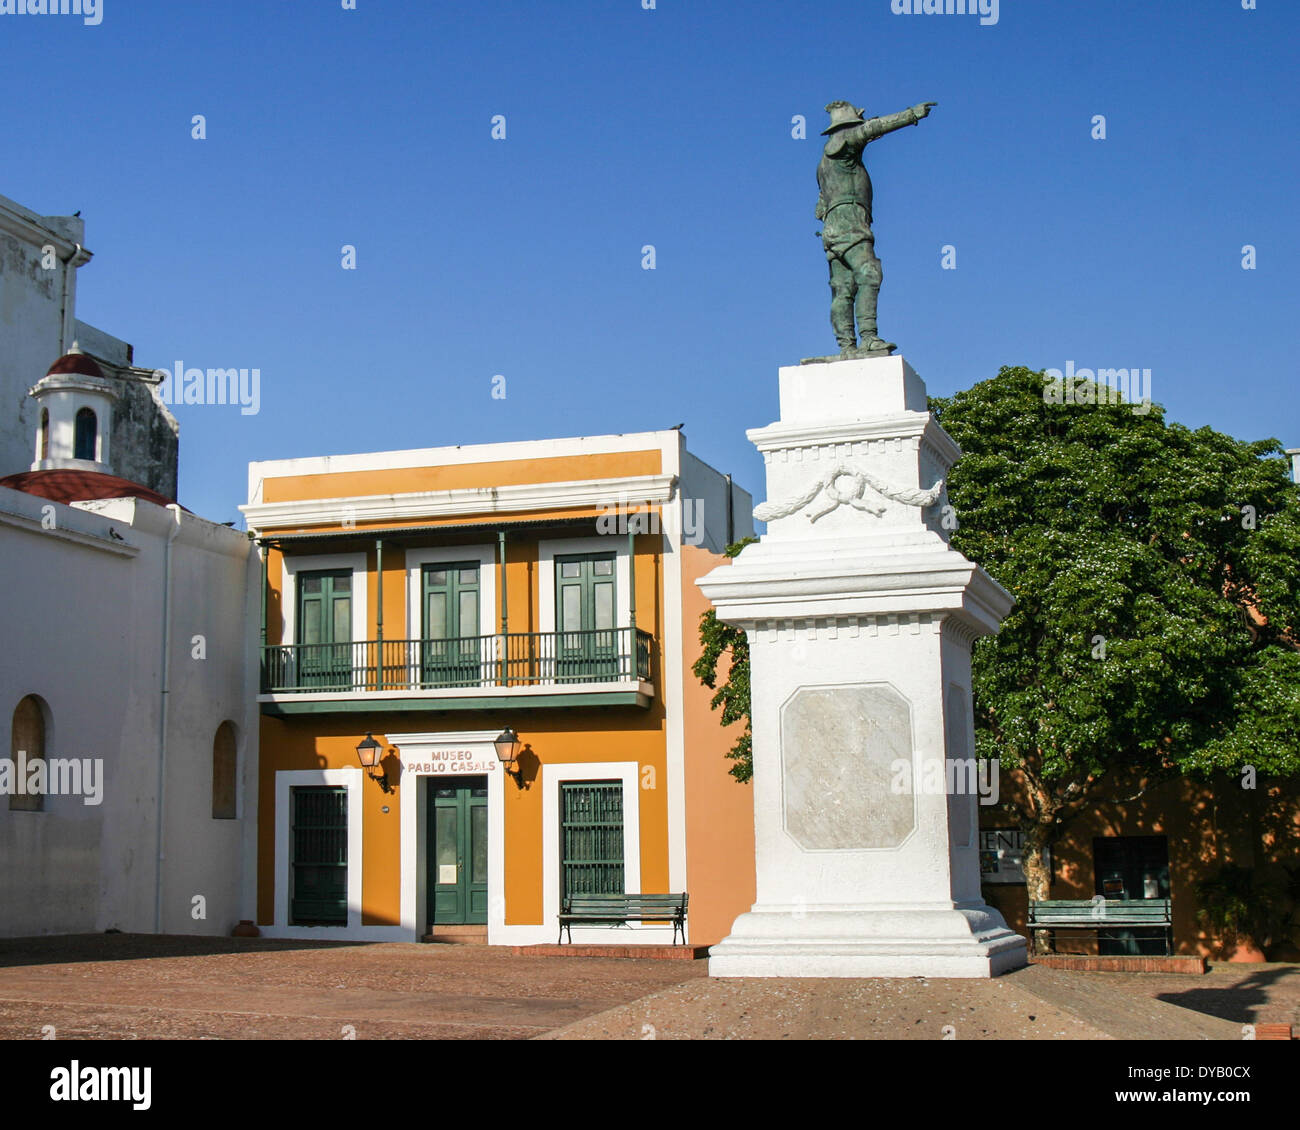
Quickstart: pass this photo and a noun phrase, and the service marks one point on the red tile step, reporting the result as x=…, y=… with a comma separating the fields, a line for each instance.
x=658, y=953
x=1126, y=963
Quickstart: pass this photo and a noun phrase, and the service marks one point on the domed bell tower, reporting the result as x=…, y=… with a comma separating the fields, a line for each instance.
x=75, y=418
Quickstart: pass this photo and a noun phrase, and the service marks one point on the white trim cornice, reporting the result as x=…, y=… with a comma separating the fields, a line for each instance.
x=441, y=737
x=60, y=533
x=460, y=455
x=460, y=502
x=74, y=382
x=30, y=227
x=908, y=425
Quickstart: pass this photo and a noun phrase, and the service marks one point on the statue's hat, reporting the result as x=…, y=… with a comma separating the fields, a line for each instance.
x=842, y=114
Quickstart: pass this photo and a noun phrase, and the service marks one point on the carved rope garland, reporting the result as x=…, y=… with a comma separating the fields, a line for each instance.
x=909, y=496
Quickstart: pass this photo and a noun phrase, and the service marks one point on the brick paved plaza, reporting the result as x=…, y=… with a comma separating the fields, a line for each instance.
x=124, y=986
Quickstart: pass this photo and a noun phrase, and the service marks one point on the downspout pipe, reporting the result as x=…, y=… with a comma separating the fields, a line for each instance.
x=70, y=264
x=731, y=513
x=164, y=693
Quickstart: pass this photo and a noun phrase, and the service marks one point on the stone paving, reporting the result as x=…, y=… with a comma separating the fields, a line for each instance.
x=1031, y=1004
x=138, y=987
x=141, y=987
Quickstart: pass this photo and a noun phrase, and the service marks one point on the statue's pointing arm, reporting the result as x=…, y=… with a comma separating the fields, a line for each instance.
x=877, y=127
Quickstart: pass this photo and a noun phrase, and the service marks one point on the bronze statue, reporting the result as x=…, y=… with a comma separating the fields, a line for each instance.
x=844, y=207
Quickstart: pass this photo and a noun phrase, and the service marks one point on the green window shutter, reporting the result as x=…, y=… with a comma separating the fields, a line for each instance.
x=319, y=859
x=586, y=646
x=592, y=831
x=325, y=628
x=451, y=642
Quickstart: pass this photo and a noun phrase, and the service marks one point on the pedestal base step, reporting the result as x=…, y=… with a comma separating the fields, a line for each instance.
x=899, y=940
x=853, y=961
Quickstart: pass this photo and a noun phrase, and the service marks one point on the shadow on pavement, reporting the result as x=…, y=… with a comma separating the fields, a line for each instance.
x=56, y=949
x=1241, y=1000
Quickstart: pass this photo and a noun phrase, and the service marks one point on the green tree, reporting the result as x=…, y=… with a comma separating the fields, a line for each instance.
x=720, y=640
x=1155, y=571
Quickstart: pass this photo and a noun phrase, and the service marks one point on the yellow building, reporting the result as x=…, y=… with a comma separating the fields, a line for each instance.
x=431, y=600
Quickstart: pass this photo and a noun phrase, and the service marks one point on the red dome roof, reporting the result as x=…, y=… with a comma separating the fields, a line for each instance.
x=76, y=363
x=80, y=486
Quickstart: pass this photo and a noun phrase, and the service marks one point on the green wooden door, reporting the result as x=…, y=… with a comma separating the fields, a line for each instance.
x=325, y=629
x=457, y=851
x=586, y=645
x=451, y=640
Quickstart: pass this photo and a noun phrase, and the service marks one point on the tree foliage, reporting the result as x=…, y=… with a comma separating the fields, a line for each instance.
x=1156, y=580
x=719, y=640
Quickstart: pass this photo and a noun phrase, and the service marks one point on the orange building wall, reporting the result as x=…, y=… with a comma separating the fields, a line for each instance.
x=551, y=736
x=1207, y=826
x=719, y=815
x=719, y=809
x=512, y=472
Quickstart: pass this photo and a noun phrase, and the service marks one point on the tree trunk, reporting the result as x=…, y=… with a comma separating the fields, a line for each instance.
x=1038, y=877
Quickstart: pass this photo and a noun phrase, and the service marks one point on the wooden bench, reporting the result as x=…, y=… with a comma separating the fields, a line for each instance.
x=624, y=908
x=1102, y=914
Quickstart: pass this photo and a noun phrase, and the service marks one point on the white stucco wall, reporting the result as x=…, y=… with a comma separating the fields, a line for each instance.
x=82, y=611
x=703, y=496
x=37, y=317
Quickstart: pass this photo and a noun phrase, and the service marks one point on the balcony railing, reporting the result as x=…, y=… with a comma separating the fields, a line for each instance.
x=514, y=659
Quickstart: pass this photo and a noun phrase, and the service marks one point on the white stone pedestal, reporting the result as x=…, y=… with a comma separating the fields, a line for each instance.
x=860, y=621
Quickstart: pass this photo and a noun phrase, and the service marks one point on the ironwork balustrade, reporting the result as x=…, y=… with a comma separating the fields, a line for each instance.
x=511, y=659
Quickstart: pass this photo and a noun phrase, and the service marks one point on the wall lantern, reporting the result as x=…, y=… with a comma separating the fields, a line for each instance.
x=371, y=755
x=508, y=745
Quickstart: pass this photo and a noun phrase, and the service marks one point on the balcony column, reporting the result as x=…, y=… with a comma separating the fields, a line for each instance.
x=264, y=680
x=266, y=553
x=505, y=615
x=503, y=653
x=631, y=580
x=379, y=615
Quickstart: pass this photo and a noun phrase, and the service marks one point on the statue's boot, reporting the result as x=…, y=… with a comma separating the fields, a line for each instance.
x=871, y=340
x=867, y=274
x=874, y=344
x=842, y=324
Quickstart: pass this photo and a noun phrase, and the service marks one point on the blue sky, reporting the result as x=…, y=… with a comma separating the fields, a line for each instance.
x=671, y=127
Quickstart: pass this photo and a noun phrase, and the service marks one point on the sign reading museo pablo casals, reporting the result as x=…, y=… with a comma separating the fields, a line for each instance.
x=451, y=761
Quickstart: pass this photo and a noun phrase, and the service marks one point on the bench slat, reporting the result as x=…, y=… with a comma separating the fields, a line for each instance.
x=1055, y=903
x=1106, y=912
